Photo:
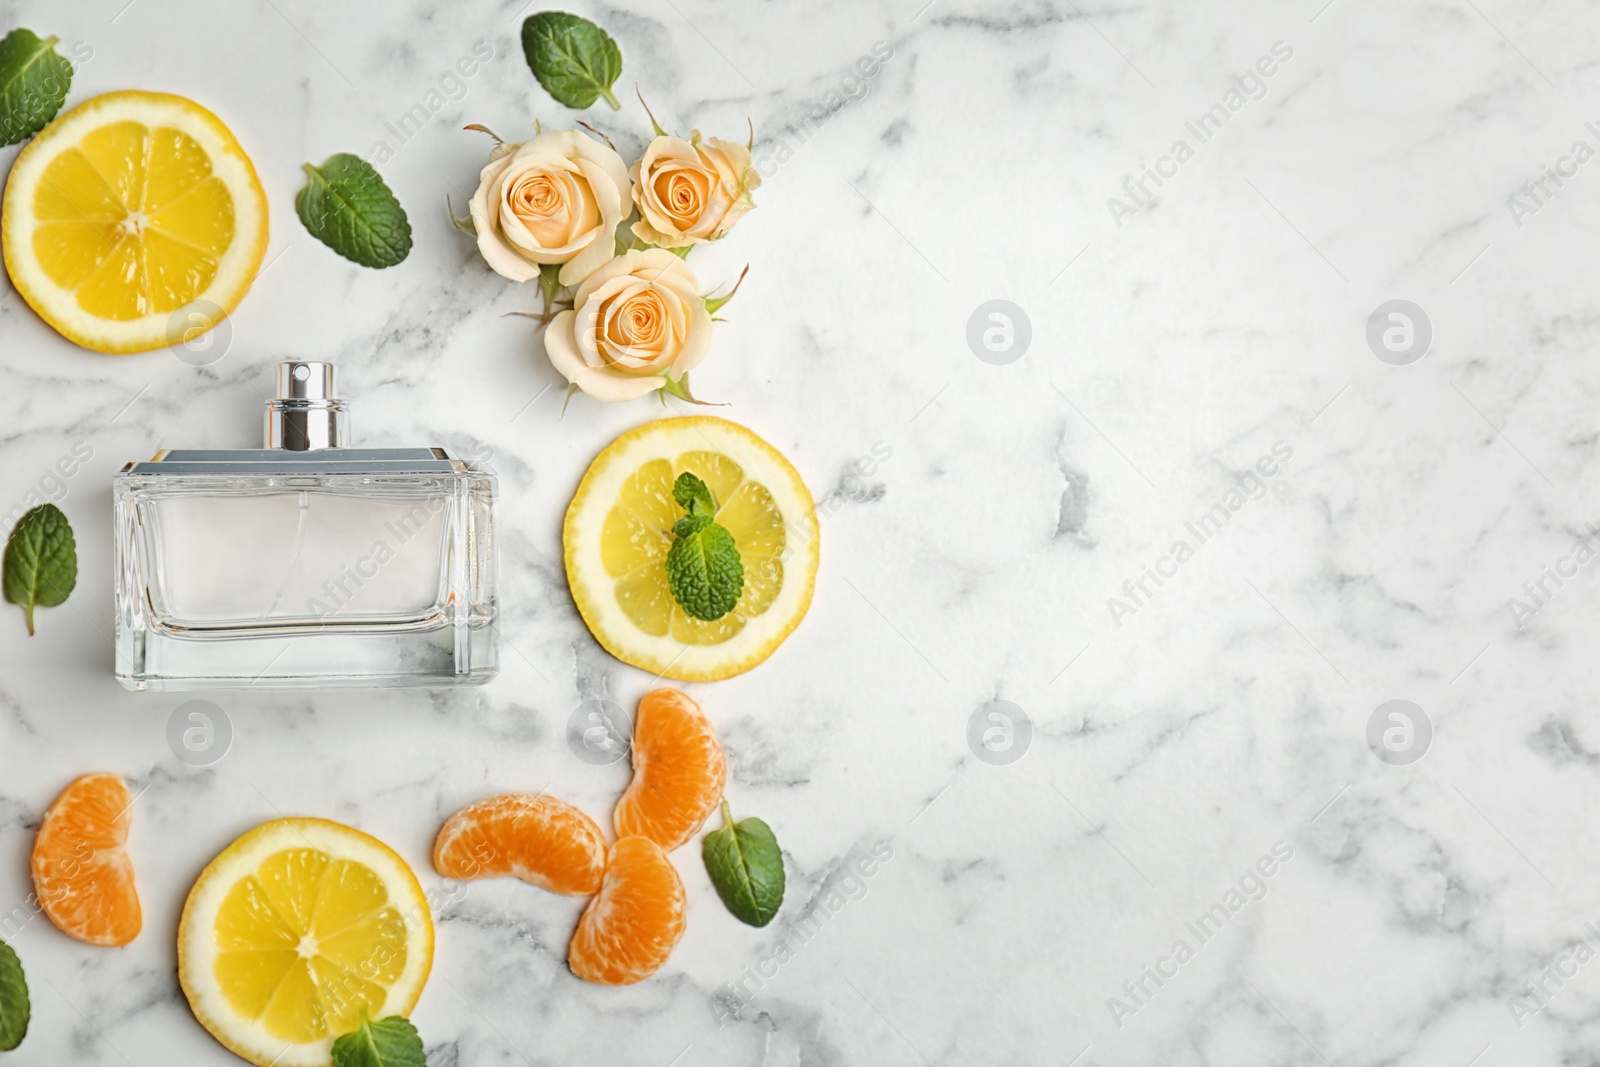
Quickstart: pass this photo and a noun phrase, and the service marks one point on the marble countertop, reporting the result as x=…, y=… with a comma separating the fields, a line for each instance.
x=1194, y=509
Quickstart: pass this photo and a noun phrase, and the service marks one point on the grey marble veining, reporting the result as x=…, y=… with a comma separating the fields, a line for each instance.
x=986, y=530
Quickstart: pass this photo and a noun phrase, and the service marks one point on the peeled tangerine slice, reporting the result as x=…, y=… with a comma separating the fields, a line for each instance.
x=543, y=841
x=81, y=874
x=628, y=931
x=678, y=771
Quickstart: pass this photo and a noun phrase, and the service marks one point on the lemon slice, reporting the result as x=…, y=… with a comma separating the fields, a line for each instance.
x=126, y=210
x=295, y=929
x=619, y=530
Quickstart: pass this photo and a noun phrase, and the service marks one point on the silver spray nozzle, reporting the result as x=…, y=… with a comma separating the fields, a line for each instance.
x=306, y=414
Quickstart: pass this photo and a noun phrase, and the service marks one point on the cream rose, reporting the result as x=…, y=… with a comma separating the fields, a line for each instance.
x=635, y=321
x=691, y=191
x=555, y=199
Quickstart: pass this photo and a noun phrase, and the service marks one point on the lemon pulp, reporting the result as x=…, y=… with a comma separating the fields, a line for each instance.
x=306, y=943
x=637, y=536
x=132, y=220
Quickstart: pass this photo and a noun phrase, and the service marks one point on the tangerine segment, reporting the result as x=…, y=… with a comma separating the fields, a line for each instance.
x=628, y=931
x=81, y=873
x=678, y=771
x=543, y=841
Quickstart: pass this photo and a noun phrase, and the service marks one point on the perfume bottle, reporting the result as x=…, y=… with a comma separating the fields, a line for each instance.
x=306, y=563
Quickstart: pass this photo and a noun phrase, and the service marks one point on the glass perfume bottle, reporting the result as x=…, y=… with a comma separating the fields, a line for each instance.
x=306, y=563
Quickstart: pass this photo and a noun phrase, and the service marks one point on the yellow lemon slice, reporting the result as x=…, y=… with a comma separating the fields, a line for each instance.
x=295, y=929
x=619, y=530
x=133, y=221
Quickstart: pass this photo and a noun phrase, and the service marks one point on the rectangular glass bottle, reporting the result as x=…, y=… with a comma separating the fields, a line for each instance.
x=314, y=566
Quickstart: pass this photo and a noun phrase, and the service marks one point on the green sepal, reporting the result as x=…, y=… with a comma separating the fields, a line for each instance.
x=654, y=125
x=463, y=223
x=573, y=389
x=715, y=304
x=679, y=387
x=549, y=287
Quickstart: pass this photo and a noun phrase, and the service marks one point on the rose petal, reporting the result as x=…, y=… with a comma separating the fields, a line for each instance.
x=697, y=344
x=600, y=250
x=560, y=348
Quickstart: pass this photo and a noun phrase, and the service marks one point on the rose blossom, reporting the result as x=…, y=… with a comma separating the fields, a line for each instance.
x=636, y=320
x=555, y=199
x=691, y=191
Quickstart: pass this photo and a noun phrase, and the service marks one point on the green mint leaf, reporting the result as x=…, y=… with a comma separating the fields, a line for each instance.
x=41, y=561
x=746, y=866
x=690, y=525
x=576, y=61
x=347, y=207
x=390, y=1042
x=704, y=570
x=14, y=1006
x=693, y=495
x=34, y=80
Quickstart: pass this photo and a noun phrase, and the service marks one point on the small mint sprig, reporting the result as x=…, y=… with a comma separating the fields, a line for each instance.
x=746, y=867
x=34, y=80
x=40, y=567
x=389, y=1042
x=576, y=61
x=704, y=570
x=346, y=205
x=14, y=1007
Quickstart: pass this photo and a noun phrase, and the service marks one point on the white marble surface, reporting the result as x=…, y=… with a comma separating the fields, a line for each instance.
x=1169, y=753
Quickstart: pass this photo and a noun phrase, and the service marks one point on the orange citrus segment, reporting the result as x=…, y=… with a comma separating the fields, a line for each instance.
x=539, y=839
x=126, y=209
x=81, y=873
x=628, y=931
x=678, y=771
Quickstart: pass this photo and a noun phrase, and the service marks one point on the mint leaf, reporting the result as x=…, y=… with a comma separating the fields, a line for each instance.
x=41, y=561
x=576, y=61
x=347, y=207
x=746, y=866
x=693, y=495
x=704, y=570
x=34, y=80
x=14, y=1006
x=390, y=1042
